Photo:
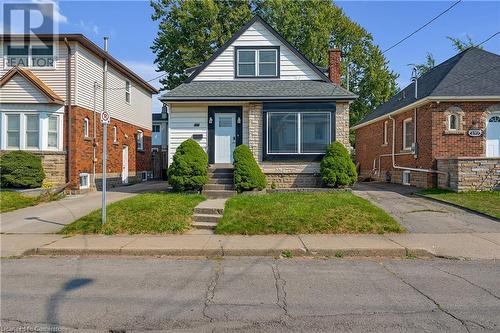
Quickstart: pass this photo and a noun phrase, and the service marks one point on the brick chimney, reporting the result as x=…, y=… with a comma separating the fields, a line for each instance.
x=334, y=65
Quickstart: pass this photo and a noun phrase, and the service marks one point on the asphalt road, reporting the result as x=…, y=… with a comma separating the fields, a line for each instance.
x=250, y=295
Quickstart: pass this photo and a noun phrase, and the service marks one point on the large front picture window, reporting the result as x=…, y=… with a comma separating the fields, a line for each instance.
x=298, y=132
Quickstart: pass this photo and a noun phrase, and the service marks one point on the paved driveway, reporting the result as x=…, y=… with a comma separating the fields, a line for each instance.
x=420, y=215
x=52, y=216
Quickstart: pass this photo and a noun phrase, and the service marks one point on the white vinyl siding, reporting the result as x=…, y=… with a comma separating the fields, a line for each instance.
x=291, y=67
x=137, y=112
x=182, y=122
x=19, y=89
x=54, y=77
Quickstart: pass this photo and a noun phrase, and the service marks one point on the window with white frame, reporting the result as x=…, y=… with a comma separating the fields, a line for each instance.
x=407, y=134
x=298, y=132
x=84, y=180
x=140, y=140
x=386, y=124
x=53, y=132
x=13, y=131
x=32, y=131
x=127, y=91
x=36, y=55
x=115, y=134
x=452, y=122
x=257, y=62
x=86, y=127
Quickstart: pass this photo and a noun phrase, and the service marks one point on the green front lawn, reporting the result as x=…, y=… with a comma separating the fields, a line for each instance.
x=297, y=213
x=10, y=201
x=487, y=202
x=148, y=213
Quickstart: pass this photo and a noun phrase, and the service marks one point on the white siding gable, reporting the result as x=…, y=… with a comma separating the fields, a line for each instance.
x=20, y=90
x=291, y=66
x=89, y=70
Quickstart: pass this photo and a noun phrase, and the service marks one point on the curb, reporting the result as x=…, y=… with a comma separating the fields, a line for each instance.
x=470, y=210
x=341, y=252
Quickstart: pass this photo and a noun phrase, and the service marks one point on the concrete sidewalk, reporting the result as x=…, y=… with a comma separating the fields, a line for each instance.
x=465, y=245
x=52, y=216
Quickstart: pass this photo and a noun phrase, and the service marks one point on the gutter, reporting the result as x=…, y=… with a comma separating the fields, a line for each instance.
x=69, y=122
x=427, y=100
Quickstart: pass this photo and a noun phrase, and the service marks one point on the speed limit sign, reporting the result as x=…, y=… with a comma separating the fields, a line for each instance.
x=105, y=117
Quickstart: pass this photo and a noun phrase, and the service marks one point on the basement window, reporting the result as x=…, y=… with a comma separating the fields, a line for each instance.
x=84, y=181
x=406, y=177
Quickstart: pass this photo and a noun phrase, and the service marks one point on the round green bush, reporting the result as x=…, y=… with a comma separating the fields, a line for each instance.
x=21, y=169
x=337, y=168
x=189, y=168
x=247, y=174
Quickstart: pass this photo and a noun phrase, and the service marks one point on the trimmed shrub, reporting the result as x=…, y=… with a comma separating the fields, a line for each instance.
x=247, y=174
x=337, y=168
x=21, y=169
x=189, y=168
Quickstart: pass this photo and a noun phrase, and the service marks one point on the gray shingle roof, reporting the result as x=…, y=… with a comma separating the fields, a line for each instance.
x=256, y=90
x=473, y=72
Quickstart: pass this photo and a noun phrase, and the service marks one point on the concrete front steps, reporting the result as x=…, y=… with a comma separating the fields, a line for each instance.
x=220, y=187
x=220, y=182
x=208, y=213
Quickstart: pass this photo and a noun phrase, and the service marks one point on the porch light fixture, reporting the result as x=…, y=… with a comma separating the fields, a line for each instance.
x=238, y=120
x=210, y=120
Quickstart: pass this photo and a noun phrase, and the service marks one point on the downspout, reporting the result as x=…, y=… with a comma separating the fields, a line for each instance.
x=94, y=139
x=394, y=157
x=68, y=99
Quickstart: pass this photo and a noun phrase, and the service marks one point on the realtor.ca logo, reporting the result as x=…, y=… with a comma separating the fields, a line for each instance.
x=29, y=30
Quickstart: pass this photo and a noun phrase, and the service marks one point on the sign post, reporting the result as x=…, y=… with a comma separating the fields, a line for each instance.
x=105, y=122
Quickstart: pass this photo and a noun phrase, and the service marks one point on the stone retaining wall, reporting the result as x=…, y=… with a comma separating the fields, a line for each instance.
x=469, y=174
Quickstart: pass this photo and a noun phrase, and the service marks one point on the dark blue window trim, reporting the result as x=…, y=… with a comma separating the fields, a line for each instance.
x=295, y=107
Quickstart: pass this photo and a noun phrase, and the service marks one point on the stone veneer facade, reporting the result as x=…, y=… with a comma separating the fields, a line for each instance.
x=292, y=174
x=469, y=174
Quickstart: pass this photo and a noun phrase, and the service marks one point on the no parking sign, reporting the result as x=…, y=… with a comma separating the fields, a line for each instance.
x=105, y=117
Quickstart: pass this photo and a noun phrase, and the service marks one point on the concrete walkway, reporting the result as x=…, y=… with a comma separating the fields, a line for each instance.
x=50, y=217
x=466, y=245
x=419, y=215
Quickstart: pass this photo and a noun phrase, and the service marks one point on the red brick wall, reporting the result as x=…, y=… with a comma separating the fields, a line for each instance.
x=432, y=138
x=82, y=148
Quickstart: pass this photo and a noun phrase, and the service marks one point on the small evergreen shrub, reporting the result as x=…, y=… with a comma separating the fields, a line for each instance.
x=337, y=168
x=189, y=168
x=247, y=173
x=21, y=169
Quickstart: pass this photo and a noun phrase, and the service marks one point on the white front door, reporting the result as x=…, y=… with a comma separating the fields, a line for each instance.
x=493, y=136
x=125, y=165
x=225, y=137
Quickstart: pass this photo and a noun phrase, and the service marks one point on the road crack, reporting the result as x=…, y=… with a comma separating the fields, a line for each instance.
x=210, y=293
x=280, y=285
x=438, y=306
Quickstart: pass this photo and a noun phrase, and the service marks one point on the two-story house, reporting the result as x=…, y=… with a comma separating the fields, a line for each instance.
x=259, y=90
x=51, y=97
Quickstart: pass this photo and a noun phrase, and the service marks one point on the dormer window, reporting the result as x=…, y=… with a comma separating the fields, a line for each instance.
x=254, y=62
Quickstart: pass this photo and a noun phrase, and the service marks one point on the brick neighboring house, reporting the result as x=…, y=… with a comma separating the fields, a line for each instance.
x=259, y=90
x=447, y=135
x=48, y=90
